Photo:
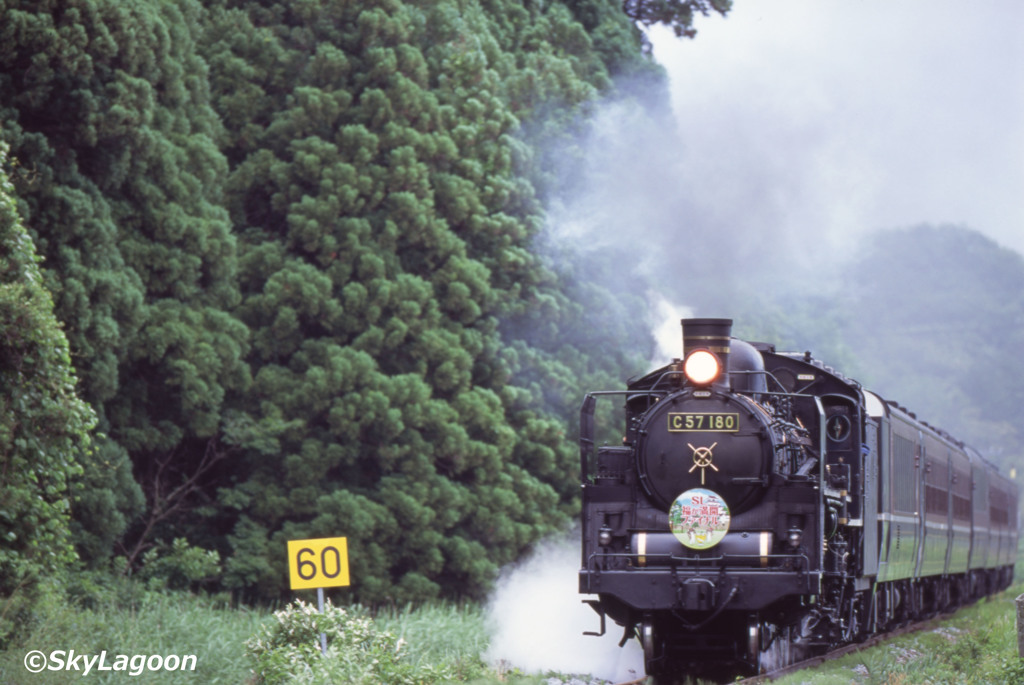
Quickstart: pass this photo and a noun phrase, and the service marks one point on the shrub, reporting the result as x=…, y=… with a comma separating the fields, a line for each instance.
x=288, y=650
x=179, y=566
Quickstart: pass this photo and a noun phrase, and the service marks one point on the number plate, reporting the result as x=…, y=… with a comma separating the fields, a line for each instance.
x=687, y=422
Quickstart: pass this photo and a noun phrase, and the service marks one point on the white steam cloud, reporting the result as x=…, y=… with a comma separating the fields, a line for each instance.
x=793, y=130
x=537, y=620
x=668, y=333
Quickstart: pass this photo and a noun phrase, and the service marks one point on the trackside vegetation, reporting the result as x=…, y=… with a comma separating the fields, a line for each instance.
x=433, y=643
x=977, y=645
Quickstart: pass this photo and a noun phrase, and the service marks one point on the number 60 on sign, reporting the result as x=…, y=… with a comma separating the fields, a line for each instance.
x=317, y=563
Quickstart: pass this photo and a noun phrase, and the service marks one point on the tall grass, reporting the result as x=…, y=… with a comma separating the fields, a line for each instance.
x=440, y=634
x=146, y=623
x=125, y=618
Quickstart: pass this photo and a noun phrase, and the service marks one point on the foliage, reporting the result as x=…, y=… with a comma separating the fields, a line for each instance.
x=410, y=389
x=110, y=612
x=288, y=650
x=179, y=566
x=678, y=14
x=44, y=426
x=296, y=247
x=106, y=106
x=121, y=616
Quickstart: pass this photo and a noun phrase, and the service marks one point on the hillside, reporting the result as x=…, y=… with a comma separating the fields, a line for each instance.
x=936, y=316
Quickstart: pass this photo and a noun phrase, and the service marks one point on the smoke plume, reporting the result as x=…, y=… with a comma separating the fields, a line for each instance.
x=537, y=620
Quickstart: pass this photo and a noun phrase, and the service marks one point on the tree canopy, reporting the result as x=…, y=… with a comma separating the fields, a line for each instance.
x=297, y=251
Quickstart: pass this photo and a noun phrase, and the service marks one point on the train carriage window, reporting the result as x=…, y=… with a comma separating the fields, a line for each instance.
x=936, y=491
x=961, y=508
x=936, y=500
x=904, y=480
x=961, y=495
x=999, y=507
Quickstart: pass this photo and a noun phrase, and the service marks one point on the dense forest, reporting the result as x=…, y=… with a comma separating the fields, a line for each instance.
x=290, y=252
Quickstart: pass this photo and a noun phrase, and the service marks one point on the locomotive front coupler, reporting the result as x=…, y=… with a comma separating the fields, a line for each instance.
x=694, y=627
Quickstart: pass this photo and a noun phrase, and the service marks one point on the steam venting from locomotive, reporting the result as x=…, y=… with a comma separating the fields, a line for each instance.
x=537, y=623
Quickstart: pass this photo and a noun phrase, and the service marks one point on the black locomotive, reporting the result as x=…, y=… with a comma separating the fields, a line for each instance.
x=762, y=507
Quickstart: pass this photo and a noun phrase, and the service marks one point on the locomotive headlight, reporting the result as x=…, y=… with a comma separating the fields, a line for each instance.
x=701, y=367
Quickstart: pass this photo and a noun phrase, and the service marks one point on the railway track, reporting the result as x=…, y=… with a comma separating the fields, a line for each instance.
x=925, y=624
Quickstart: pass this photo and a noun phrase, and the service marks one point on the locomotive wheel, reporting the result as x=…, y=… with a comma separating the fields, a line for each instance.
x=651, y=643
x=775, y=647
x=658, y=668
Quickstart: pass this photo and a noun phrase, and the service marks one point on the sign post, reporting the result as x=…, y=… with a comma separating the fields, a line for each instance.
x=318, y=563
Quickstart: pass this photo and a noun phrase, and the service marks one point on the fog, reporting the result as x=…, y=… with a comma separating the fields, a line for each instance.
x=794, y=129
x=820, y=119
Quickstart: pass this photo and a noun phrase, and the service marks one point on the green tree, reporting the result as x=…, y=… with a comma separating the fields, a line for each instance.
x=44, y=426
x=106, y=107
x=677, y=14
x=389, y=199
x=298, y=250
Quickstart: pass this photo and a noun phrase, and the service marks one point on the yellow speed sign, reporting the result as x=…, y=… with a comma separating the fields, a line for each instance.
x=321, y=562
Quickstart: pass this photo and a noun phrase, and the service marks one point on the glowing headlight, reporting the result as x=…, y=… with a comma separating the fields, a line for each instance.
x=701, y=367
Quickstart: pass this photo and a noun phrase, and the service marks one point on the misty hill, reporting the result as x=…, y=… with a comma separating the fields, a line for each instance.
x=934, y=316
x=931, y=317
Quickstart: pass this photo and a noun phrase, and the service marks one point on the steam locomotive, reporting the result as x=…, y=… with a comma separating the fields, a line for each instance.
x=762, y=508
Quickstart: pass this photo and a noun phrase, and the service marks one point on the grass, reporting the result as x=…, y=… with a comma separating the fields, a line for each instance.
x=149, y=624
x=127, y=619
x=441, y=634
x=976, y=646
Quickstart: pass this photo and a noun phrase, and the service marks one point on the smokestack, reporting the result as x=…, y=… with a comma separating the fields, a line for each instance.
x=712, y=335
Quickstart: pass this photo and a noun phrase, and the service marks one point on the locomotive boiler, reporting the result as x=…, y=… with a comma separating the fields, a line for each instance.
x=762, y=507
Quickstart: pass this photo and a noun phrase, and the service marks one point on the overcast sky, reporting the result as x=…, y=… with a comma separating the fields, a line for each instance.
x=828, y=118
